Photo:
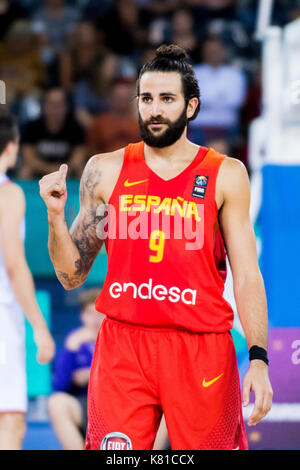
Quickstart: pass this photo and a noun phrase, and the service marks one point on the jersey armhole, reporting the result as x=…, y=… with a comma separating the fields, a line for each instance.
x=222, y=158
x=131, y=150
x=125, y=156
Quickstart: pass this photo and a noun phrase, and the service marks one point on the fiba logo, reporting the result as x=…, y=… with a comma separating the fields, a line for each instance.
x=116, y=441
x=201, y=180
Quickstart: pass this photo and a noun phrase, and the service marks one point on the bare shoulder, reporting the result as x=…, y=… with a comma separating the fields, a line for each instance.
x=101, y=173
x=232, y=181
x=233, y=168
x=13, y=193
x=108, y=159
x=233, y=177
x=13, y=190
x=106, y=162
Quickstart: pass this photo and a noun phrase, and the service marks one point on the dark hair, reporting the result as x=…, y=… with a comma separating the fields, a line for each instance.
x=88, y=297
x=8, y=129
x=173, y=58
x=50, y=89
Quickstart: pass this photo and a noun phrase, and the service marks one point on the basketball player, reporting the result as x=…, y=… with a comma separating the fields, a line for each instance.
x=165, y=346
x=16, y=296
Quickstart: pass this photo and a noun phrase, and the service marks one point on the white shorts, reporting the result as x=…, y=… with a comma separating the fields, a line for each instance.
x=13, y=383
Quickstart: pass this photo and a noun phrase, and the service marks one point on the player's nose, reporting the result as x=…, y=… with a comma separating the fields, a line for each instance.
x=156, y=108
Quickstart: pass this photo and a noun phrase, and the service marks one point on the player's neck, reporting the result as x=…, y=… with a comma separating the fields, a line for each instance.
x=182, y=147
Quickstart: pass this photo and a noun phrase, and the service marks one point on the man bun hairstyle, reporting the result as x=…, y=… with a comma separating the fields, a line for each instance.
x=172, y=58
x=171, y=52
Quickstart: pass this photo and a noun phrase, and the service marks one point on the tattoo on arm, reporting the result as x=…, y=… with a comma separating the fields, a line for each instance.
x=84, y=228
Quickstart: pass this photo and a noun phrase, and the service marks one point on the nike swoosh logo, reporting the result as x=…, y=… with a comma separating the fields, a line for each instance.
x=128, y=184
x=208, y=384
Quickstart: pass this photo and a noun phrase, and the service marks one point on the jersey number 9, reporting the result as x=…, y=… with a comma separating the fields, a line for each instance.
x=157, y=244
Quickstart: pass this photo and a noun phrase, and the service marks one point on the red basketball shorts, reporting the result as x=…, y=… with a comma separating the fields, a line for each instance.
x=138, y=373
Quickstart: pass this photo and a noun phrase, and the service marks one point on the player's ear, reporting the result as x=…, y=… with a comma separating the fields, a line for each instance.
x=191, y=107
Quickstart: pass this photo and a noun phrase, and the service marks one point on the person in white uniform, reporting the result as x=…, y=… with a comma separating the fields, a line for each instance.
x=17, y=298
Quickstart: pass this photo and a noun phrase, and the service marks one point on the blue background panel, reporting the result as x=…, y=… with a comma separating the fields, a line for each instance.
x=280, y=231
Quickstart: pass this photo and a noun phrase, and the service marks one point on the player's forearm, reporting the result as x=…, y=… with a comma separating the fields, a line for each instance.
x=64, y=253
x=251, y=304
x=23, y=286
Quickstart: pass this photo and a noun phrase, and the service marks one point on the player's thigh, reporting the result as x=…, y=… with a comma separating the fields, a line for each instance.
x=203, y=407
x=121, y=399
x=123, y=407
x=13, y=424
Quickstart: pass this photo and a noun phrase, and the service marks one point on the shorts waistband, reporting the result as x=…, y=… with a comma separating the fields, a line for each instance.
x=159, y=329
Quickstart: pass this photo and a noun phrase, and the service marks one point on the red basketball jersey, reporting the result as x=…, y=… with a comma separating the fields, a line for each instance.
x=166, y=256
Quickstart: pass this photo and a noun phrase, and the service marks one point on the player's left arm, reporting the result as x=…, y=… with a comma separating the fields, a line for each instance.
x=249, y=290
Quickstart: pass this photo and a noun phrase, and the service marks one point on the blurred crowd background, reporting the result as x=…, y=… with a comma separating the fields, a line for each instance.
x=70, y=68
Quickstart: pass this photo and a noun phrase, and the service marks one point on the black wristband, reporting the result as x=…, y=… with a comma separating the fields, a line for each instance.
x=256, y=352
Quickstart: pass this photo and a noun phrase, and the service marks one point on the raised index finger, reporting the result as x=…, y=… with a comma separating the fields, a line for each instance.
x=63, y=170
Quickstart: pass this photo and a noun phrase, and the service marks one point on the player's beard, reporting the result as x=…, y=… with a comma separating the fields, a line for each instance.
x=169, y=136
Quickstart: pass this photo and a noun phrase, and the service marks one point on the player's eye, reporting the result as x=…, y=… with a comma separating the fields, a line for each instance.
x=146, y=99
x=168, y=99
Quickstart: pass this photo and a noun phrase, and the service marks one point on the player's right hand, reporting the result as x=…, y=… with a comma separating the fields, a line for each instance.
x=53, y=190
x=45, y=344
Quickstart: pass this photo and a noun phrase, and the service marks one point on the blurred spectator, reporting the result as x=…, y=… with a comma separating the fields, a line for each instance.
x=252, y=107
x=68, y=404
x=54, y=22
x=160, y=7
x=280, y=13
x=80, y=56
x=124, y=34
x=241, y=46
x=53, y=139
x=220, y=145
x=183, y=31
x=182, y=21
x=91, y=93
x=94, y=10
x=147, y=54
x=207, y=10
x=222, y=89
x=159, y=32
x=119, y=125
x=20, y=65
x=295, y=12
x=10, y=10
